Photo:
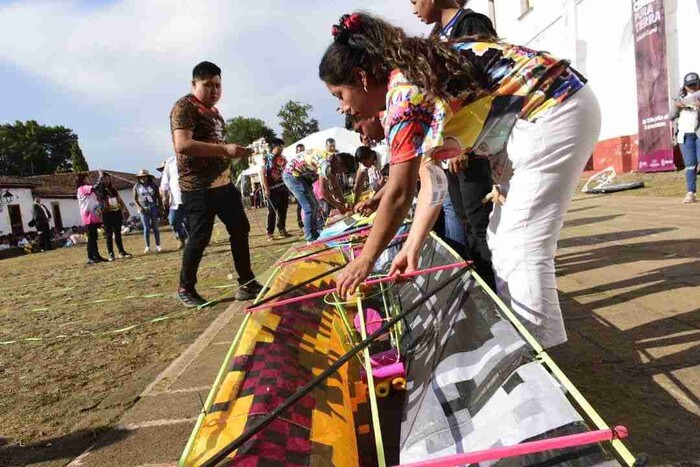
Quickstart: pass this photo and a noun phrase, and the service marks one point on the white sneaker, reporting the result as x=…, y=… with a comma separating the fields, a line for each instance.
x=158, y=248
x=689, y=198
x=147, y=250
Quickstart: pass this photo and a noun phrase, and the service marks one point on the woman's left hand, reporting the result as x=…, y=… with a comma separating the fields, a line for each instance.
x=353, y=275
x=405, y=261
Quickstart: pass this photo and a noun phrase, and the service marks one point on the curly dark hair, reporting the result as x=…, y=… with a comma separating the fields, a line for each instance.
x=366, y=42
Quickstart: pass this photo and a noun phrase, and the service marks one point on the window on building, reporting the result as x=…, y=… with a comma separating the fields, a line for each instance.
x=525, y=7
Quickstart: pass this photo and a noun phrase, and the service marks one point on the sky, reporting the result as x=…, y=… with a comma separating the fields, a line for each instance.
x=111, y=70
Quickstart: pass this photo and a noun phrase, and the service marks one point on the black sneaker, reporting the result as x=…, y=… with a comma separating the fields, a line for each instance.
x=190, y=299
x=249, y=291
x=92, y=261
x=100, y=259
x=125, y=255
x=110, y=258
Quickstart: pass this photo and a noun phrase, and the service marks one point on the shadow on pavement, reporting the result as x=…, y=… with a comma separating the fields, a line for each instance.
x=61, y=449
x=643, y=373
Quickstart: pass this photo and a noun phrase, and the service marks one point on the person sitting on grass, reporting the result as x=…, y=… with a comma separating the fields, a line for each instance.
x=301, y=172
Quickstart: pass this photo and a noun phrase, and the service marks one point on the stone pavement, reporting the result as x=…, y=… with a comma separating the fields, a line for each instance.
x=629, y=279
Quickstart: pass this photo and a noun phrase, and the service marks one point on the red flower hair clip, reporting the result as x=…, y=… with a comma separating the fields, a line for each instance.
x=353, y=22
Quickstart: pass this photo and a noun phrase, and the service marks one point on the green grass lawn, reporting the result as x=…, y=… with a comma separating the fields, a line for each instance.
x=56, y=386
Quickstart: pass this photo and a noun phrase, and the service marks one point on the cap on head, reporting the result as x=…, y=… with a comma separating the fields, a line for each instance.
x=691, y=79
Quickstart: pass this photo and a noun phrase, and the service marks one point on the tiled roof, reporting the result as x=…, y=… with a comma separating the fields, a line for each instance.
x=8, y=181
x=63, y=185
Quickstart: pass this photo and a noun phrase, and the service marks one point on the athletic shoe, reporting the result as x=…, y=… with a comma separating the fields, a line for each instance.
x=249, y=291
x=270, y=238
x=158, y=249
x=147, y=250
x=100, y=259
x=110, y=258
x=689, y=198
x=285, y=234
x=92, y=261
x=124, y=255
x=191, y=299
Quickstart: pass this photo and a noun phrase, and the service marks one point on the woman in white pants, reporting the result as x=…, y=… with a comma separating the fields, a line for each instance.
x=462, y=99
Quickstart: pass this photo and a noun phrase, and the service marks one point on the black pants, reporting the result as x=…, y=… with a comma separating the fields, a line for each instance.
x=201, y=207
x=112, y=222
x=44, y=237
x=92, y=251
x=277, y=205
x=467, y=189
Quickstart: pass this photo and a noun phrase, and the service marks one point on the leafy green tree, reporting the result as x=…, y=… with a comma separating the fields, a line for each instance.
x=296, y=121
x=244, y=130
x=77, y=159
x=28, y=148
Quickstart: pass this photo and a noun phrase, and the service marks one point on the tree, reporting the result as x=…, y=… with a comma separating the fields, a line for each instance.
x=244, y=130
x=28, y=148
x=77, y=159
x=296, y=122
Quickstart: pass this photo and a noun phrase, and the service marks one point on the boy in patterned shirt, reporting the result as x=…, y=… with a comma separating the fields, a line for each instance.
x=204, y=165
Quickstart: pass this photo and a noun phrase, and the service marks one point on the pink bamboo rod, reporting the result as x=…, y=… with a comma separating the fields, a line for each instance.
x=561, y=442
x=381, y=280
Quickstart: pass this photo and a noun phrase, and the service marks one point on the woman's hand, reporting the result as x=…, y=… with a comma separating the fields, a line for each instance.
x=405, y=261
x=353, y=275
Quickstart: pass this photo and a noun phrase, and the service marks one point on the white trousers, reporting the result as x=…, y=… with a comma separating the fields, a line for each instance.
x=548, y=157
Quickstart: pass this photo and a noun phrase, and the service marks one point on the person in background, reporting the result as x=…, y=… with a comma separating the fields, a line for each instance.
x=114, y=213
x=330, y=146
x=451, y=20
x=204, y=166
x=172, y=196
x=91, y=216
x=276, y=192
x=686, y=113
x=369, y=172
x=300, y=174
x=469, y=180
x=41, y=217
x=300, y=221
x=147, y=199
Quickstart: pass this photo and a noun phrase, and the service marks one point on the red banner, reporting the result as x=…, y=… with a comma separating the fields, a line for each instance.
x=655, y=145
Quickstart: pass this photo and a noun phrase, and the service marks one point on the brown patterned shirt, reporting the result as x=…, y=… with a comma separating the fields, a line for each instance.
x=207, y=126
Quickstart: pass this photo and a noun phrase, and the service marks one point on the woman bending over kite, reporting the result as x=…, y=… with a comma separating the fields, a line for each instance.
x=461, y=99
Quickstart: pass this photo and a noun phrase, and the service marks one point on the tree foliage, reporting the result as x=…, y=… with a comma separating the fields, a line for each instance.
x=244, y=130
x=296, y=121
x=28, y=148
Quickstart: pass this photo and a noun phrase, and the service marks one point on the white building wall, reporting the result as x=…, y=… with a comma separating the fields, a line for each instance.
x=70, y=213
x=23, y=197
x=595, y=36
x=682, y=26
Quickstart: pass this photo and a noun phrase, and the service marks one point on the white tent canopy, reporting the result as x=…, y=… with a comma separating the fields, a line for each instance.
x=345, y=141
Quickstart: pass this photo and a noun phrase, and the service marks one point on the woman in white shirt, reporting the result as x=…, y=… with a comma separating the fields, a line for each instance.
x=687, y=113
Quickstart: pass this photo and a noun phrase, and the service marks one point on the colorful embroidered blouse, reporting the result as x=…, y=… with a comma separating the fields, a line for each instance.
x=521, y=84
x=311, y=163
